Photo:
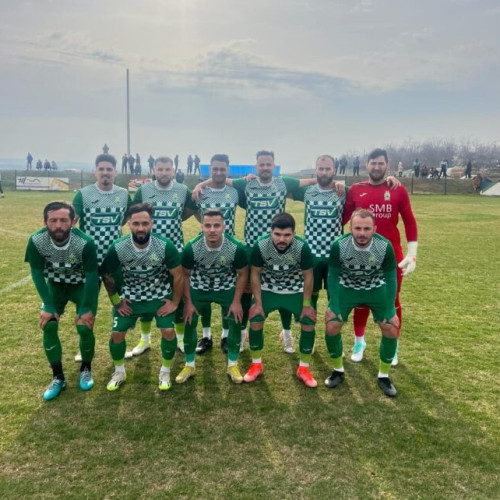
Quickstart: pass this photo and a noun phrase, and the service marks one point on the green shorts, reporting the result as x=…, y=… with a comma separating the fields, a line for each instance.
x=292, y=302
x=202, y=300
x=375, y=299
x=63, y=293
x=320, y=272
x=142, y=309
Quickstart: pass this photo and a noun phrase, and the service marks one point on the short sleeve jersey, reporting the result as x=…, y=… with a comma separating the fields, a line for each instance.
x=101, y=214
x=225, y=200
x=262, y=203
x=146, y=270
x=282, y=272
x=213, y=270
x=362, y=268
x=169, y=204
x=387, y=205
x=323, y=214
x=62, y=264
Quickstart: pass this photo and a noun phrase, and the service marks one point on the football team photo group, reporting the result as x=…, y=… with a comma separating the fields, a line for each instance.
x=134, y=247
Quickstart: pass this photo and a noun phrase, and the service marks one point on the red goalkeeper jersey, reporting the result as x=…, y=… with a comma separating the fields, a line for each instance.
x=387, y=205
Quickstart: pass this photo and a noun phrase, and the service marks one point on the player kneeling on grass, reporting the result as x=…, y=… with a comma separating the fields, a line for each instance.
x=282, y=278
x=146, y=260
x=63, y=263
x=215, y=265
x=362, y=271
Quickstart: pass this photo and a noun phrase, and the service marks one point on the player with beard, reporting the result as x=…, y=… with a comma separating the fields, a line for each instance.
x=172, y=204
x=146, y=261
x=63, y=263
x=362, y=271
x=324, y=208
x=282, y=278
x=387, y=205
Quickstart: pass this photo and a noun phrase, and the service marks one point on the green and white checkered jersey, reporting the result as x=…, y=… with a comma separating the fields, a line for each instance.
x=101, y=214
x=225, y=200
x=282, y=272
x=145, y=271
x=322, y=219
x=62, y=264
x=263, y=202
x=214, y=270
x=169, y=206
x=362, y=269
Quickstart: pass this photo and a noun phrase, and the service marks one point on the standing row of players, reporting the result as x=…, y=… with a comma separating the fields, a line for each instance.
x=101, y=208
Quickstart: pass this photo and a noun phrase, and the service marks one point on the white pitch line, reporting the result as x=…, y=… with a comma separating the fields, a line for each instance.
x=14, y=233
x=21, y=282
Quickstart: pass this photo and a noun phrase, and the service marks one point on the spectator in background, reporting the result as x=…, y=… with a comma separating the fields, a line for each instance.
x=190, y=165
x=105, y=149
x=151, y=163
x=179, y=176
x=400, y=169
x=46, y=165
x=1, y=189
x=425, y=172
x=39, y=165
x=444, y=169
x=131, y=163
x=29, y=160
x=343, y=165
x=196, y=164
x=416, y=167
x=138, y=167
x=355, y=166
x=124, y=163
x=176, y=162
x=468, y=170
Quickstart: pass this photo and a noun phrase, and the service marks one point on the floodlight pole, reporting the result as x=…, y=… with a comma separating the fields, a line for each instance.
x=128, y=116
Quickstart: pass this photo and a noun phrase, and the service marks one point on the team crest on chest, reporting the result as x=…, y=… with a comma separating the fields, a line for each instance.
x=222, y=260
x=387, y=196
x=154, y=259
x=72, y=259
x=371, y=260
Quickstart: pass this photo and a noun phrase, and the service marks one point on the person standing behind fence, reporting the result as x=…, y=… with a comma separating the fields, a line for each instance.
x=468, y=170
x=29, y=161
x=444, y=169
x=124, y=163
x=190, y=165
x=355, y=166
x=1, y=189
x=131, y=163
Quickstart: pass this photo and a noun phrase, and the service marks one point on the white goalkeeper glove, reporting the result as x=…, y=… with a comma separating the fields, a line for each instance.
x=409, y=263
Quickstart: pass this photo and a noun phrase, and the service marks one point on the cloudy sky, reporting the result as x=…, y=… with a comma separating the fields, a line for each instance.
x=298, y=77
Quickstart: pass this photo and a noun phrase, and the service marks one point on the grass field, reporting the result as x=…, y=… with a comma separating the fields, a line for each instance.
x=440, y=438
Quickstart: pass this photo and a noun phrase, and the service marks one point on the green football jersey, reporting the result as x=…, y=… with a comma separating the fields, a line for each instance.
x=322, y=217
x=225, y=200
x=145, y=270
x=282, y=271
x=214, y=269
x=62, y=264
x=169, y=204
x=362, y=268
x=262, y=203
x=101, y=214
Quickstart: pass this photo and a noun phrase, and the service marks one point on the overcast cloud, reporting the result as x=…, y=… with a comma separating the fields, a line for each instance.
x=299, y=77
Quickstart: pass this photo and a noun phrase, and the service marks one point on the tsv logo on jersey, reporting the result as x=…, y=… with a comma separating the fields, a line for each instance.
x=321, y=212
x=166, y=213
x=266, y=203
x=105, y=220
x=72, y=258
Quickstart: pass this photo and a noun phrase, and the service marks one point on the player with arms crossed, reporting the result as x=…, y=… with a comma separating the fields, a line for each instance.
x=387, y=205
x=64, y=268
x=282, y=278
x=362, y=271
x=172, y=204
x=215, y=266
x=146, y=262
x=100, y=208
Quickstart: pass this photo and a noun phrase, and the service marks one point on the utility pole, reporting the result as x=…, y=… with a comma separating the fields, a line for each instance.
x=128, y=116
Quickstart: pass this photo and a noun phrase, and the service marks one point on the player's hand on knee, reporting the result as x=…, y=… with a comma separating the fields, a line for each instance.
x=236, y=310
x=255, y=310
x=168, y=308
x=123, y=308
x=308, y=312
x=45, y=317
x=189, y=310
x=86, y=319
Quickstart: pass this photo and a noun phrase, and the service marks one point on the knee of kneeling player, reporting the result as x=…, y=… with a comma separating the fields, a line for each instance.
x=333, y=327
x=117, y=337
x=167, y=333
x=389, y=331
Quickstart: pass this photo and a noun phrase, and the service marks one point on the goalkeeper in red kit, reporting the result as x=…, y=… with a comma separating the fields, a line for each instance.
x=387, y=206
